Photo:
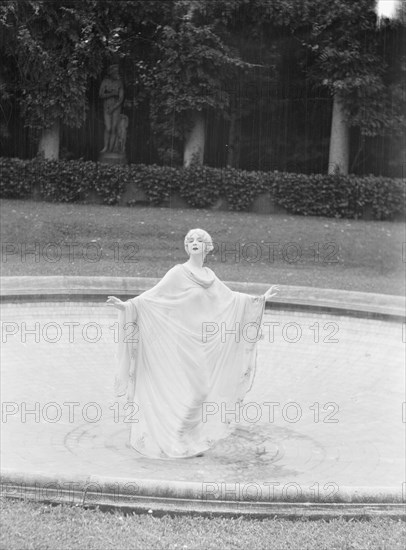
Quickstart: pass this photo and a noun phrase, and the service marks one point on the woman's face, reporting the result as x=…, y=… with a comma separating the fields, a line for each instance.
x=195, y=245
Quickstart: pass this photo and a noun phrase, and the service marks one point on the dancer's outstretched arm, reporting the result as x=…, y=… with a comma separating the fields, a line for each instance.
x=273, y=291
x=165, y=285
x=115, y=302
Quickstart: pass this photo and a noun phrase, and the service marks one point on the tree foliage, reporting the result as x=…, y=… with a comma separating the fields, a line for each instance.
x=192, y=71
x=51, y=49
x=348, y=51
x=217, y=57
x=356, y=58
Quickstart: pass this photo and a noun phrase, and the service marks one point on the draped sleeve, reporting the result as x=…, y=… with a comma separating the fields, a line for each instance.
x=129, y=333
x=127, y=346
x=240, y=331
x=187, y=346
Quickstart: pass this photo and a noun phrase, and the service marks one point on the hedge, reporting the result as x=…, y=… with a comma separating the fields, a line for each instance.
x=202, y=186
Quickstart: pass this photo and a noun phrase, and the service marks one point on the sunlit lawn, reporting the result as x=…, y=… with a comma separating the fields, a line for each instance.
x=123, y=241
x=34, y=525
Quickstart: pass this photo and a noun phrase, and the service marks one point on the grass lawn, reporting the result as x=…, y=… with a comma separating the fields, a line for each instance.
x=34, y=525
x=141, y=241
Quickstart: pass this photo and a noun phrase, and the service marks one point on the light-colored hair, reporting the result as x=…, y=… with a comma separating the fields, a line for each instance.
x=205, y=237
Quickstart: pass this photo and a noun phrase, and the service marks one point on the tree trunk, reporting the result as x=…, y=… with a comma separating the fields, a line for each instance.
x=49, y=142
x=194, y=145
x=233, y=151
x=339, y=139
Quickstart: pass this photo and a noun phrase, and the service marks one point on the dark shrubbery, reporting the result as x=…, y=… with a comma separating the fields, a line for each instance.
x=202, y=186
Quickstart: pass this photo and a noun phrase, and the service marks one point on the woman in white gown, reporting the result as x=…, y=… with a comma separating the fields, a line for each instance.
x=192, y=356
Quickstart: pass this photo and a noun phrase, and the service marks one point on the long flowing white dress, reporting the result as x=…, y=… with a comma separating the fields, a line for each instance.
x=187, y=354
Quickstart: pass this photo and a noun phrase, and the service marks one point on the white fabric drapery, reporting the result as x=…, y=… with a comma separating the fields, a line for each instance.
x=186, y=354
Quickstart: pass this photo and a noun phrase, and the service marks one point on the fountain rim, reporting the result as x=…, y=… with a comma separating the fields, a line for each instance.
x=162, y=497
x=298, y=298
x=178, y=497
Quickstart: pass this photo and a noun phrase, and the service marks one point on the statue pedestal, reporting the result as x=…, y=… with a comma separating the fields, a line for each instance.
x=113, y=158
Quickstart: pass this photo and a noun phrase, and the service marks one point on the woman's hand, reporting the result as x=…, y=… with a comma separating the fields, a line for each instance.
x=273, y=291
x=115, y=302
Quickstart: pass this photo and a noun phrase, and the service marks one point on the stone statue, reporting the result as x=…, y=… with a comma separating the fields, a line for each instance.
x=112, y=93
x=122, y=133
